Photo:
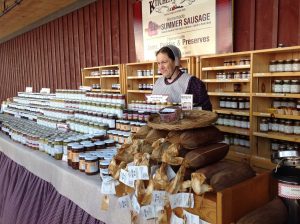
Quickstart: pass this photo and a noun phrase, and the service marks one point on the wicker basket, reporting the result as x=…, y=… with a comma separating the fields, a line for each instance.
x=191, y=119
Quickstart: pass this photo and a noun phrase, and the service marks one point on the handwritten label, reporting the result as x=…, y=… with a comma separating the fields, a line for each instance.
x=108, y=187
x=184, y=200
x=45, y=90
x=187, y=101
x=86, y=88
x=28, y=90
x=159, y=198
x=170, y=173
x=148, y=212
x=176, y=220
x=125, y=179
x=138, y=172
x=157, y=98
x=135, y=204
x=191, y=218
x=124, y=202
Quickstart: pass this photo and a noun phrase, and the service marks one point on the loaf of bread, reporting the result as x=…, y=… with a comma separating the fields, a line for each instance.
x=206, y=155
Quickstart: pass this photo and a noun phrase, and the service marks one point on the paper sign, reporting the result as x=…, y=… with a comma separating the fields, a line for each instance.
x=191, y=218
x=86, y=88
x=135, y=204
x=28, y=90
x=187, y=101
x=157, y=98
x=183, y=200
x=176, y=220
x=124, y=178
x=159, y=198
x=124, y=202
x=138, y=172
x=45, y=90
x=148, y=212
x=108, y=187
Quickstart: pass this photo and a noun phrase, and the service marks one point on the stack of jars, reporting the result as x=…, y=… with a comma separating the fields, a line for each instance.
x=286, y=86
x=233, y=121
x=238, y=140
x=234, y=102
x=280, y=125
x=288, y=65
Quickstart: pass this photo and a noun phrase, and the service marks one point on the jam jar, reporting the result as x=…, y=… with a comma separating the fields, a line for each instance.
x=278, y=85
x=273, y=66
x=264, y=125
x=296, y=65
x=76, y=150
x=295, y=86
x=91, y=165
x=82, y=162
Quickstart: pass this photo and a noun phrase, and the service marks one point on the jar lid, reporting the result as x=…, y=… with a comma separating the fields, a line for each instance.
x=82, y=156
x=91, y=158
x=109, y=141
x=99, y=143
x=104, y=162
x=85, y=142
x=77, y=147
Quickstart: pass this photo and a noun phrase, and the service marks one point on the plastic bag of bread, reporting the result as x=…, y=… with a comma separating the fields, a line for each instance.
x=192, y=139
x=154, y=135
x=205, y=155
x=274, y=212
x=231, y=176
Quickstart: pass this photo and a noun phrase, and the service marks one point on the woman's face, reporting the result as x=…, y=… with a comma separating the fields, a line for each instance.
x=166, y=66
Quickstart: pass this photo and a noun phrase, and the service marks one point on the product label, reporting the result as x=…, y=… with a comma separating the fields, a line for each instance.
x=28, y=90
x=159, y=198
x=187, y=101
x=138, y=172
x=108, y=187
x=289, y=191
x=45, y=90
x=191, y=218
x=184, y=200
x=148, y=212
x=124, y=202
x=125, y=179
x=135, y=204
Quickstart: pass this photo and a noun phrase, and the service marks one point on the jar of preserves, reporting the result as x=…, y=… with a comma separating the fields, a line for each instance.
x=241, y=103
x=289, y=128
x=264, y=125
x=226, y=120
x=278, y=86
x=82, y=162
x=76, y=150
x=58, y=148
x=273, y=66
x=296, y=65
x=286, y=87
x=281, y=126
x=275, y=145
x=222, y=102
x=297, y=128
x=234, y=103
x=280, y=66
x=228, y=102
x=274, y=126
x=295, y=86
x=238, y=121
x=220, y=120
x=276, y=103
x=91, y=165
x=288, y=65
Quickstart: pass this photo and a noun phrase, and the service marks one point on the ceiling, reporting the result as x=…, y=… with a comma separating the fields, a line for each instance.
x=29, y=14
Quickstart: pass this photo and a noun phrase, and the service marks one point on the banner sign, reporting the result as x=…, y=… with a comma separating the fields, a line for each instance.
x=188, y=24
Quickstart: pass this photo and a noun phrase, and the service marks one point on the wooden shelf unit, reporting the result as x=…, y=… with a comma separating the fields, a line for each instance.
x=258, y=89
x=105, y=81
x=133, y=79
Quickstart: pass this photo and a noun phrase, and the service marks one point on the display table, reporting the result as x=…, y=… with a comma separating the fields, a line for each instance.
x=81, y=189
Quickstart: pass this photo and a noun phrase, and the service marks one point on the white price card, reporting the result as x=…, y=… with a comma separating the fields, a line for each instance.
x=183, y=200
x=124, y=202
x=108, y=187
x=45, y=90
x=157, y=98
x=191, y=218
x=159, y=198
x=85, y=88
x=28, y=90
x=138, y=172
x=125, y=179
x=148, y=212
x=175, y=219
x=187, y=101
x=135, y=204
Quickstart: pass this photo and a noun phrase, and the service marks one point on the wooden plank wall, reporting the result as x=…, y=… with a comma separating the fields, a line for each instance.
x=102, y=34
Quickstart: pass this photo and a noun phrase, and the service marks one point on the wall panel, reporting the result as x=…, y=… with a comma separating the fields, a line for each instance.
x=102, y=34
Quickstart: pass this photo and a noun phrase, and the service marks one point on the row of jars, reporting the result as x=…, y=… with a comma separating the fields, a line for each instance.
x=119, y=136
x=145, y=86
x=280, y=125
x=116, y=86
x=233, y=121
x=136, y=115
x=109, y=119
x=284, y=145
x=152, y=107
x=131, y=126
x=238, y=140
x=95, y=86
x=288, y=65
x=87, y=127
x=242, y=61
x=29, y=101
x=110, y=72
x=49, y=122
x=20, y=113
x=286, y=86
x=145, y=72
x=41, y=96
x=235, y=103
x=70, y=94
x=286, y=103
x=233, y=75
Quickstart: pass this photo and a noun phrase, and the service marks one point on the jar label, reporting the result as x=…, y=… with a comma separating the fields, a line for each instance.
x=289, y=191
x=91, y=167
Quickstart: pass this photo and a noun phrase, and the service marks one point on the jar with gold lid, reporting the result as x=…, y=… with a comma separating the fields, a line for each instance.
x=91, y=165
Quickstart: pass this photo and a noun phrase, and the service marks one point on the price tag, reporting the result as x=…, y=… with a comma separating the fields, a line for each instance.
x=170, y=173
x=138, y=172
x=124, y=202
x=124, y=178
x=183, y=200
x=86, y=88
x=159, y=198
x=157, y=98
x=187, y=101
x=191, y=218
x=148, y=212
x=135, y=204
x=108, y=187
x=175, y=219
x=28, y=90
x=45, y=90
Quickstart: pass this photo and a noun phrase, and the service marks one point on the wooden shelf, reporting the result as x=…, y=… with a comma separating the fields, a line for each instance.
x=292, y=117
x=279, y=136
x=232, y=112
x=111, y=90
x=110, y=76
x=277, y=74
x=228, y=94
x=140, y=77
x=224, y=80
x=139, y=91
x=96, y=90
x=277, y=95
x=92, y=77
x=157, y=76
x=233, y=67
x=233, y=130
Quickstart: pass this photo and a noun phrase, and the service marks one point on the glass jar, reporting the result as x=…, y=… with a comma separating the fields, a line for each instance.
x=289, y=128
x=276, y=103
x=228, y=102
x=295, y=86
x=281, y=126
x=241, y=103
x=275, y=145
x=247, y=103
x=91, y=165
x=220, y=120
x=286, y=87
x=226, y=120
x=222, y=102
x=238, y=122
x=288, y=65
x=58, y=148
x=103, y=165
x=76, y=150
x=82, y=162
x=273, y=66
x=280, y=66
x=234, y=103
x=274, y=126
x=296, y=65
x=264, y=125
x=278, y=86
x=297, y=128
